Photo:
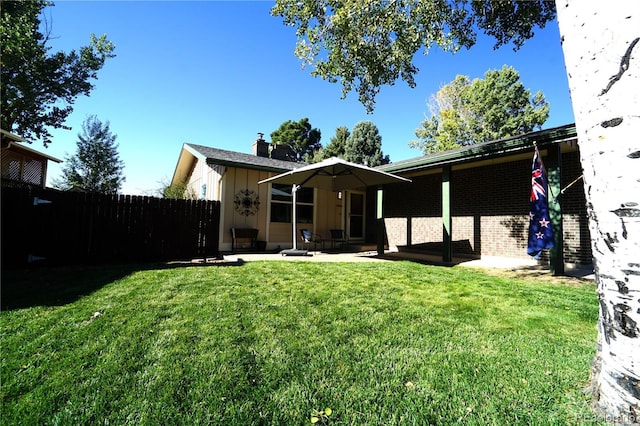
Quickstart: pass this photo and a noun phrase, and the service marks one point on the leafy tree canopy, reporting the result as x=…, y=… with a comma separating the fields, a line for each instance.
x=38, y=87
x=302, y=139
x=466, y=112
x=178, y=191
x=96, y=166
x=364, y=145
x=368, y=44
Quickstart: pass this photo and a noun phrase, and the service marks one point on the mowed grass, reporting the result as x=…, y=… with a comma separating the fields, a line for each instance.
x=392, y=343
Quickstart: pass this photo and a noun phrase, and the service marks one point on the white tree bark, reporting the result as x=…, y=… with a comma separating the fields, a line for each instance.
x=601, y=43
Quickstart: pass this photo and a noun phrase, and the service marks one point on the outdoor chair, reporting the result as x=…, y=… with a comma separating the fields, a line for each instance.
x=309, y=237
x=338, y=237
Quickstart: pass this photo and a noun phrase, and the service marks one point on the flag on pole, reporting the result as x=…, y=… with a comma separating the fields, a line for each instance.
x=540, y=229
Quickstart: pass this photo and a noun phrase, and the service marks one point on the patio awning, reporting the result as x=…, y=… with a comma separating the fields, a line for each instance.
x=335, y=174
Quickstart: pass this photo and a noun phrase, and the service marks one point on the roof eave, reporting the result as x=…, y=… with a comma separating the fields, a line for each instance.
x=19, y=146
x=11, y=136
x=176, y=177
x=242, y=165
x=513, y=145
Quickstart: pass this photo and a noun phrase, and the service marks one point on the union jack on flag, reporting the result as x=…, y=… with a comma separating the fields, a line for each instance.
x=537, y=182
x=540, y=228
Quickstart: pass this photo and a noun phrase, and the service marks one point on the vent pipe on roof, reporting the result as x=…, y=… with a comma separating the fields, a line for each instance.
x=260, y=146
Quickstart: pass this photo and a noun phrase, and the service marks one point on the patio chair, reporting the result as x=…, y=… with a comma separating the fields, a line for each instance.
x=338, y=236
x=309, y=237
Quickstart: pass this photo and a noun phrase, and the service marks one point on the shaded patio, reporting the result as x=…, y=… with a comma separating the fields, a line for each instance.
x=335, y=174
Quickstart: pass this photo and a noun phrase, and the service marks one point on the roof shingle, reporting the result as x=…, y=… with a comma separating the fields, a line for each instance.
x=239, y=159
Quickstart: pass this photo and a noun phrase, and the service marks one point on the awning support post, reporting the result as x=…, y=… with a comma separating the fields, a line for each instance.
x=294, y=191
x=380, y=222
x=447, y=249
x=554, y=175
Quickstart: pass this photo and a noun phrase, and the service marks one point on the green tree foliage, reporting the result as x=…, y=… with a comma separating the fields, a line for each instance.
x=364, y=145
x=466, y=112
x=96, y=166
x=179, y=191
x=368, y=44
x=302, y=139
x=38, y=87
x=448, y=127
x=337, y=143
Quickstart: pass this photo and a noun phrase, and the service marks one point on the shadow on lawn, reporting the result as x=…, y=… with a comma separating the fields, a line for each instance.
x=57, y=286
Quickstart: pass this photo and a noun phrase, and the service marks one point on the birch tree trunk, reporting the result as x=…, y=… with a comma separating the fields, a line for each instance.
x=601, y=43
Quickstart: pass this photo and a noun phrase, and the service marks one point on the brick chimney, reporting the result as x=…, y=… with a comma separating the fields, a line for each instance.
x=281, y=152
x=260, y=147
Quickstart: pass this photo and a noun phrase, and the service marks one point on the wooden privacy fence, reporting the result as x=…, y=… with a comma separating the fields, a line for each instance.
x=41, y=224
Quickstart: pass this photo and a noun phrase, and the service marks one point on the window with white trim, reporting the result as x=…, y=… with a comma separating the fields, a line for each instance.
x=282, y=201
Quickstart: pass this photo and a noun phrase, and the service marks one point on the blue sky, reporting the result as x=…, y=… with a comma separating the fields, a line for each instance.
x=217, y=73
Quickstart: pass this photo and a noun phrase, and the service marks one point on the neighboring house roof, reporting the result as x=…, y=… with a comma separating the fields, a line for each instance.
x=13, y=142
x=223, y=157
x=10, y=136
x=484, y=151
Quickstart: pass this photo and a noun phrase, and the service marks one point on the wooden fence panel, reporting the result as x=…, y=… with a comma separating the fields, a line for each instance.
x=42, y=224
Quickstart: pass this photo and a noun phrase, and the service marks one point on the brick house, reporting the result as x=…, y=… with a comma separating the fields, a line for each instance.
x=479, y=193
x=474, y=201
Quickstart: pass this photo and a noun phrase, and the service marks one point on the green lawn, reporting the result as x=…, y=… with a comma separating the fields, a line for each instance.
x=393, y=343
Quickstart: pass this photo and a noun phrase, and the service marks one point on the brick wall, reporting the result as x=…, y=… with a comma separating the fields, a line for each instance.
x=490, y=211
x=413, y=211
x=577, y=238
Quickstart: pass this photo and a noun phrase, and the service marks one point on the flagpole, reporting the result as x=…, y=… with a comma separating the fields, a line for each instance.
x=294, y=191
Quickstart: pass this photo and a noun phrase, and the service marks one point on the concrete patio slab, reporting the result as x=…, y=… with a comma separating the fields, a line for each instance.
x=513, y=264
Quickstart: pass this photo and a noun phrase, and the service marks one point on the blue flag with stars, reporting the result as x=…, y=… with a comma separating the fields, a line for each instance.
x=540, y=229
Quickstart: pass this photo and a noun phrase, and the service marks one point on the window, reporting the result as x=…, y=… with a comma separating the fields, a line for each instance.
x=282, y=200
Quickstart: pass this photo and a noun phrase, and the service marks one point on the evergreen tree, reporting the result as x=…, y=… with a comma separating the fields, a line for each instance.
x=96, y=166
x=364, y=145
x=302, y=140
x=337, y=143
